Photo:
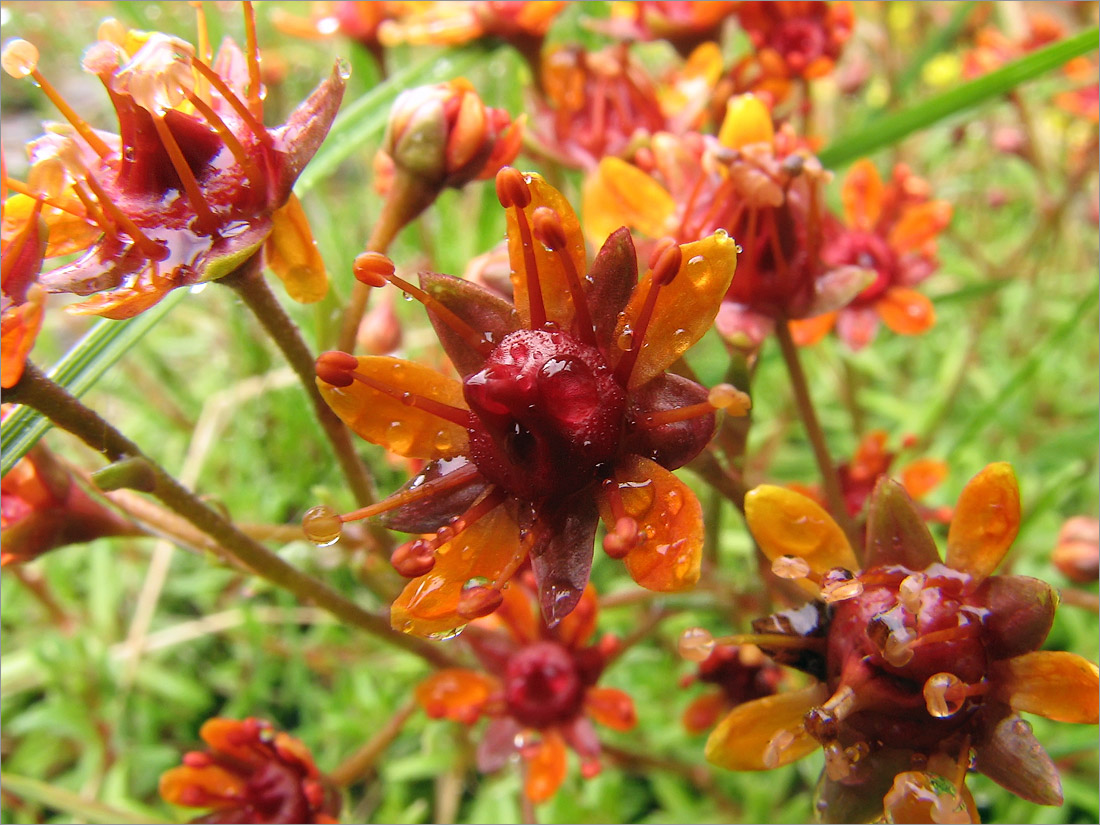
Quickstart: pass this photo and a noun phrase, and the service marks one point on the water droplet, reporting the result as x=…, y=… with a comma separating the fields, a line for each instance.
x=896, y=650
x=322, y=525
x=695, y=644
x=343, y=68
x=19, y=58
x=673, y=502
x=909, y=592
x=406, y=296
x=944, y=694
x=836, y=762
x=625, y=341
x=776, y=746
x=476, y=581
x=839, y=585
x=791, y=567
x=446, y=635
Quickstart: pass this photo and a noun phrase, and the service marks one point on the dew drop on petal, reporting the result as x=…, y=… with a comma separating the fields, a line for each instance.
x=695, y=644
x=839, y=585
x=625, y=341
x=837, y=766
x=791, y=567
x=773, y=752
x=322, y=525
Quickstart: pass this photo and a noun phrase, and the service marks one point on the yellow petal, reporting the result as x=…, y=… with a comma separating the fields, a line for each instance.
x=747, y=121
x=1055, y=684
x=670, y=521
x=987, y=518
x=386, y=421
x=620, y=194
x=861, y=195
x=786, y=523
x=555, y=286
x=292, y=254
x=489, y=548
x=906, y=311
x=742, y=740
x=685, y=309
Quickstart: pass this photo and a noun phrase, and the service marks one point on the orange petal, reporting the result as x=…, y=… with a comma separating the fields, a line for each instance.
x=546, y=768
x=455, y=693
x=468, y=134
x=670, y=521
x=577, y=628
x=120, y=304
x=685, y=308
x=752, y=736
x=200, y=787
x=747, y=121
x=808, y=331
x=703, y=711
x=233, y=737
x=610, y=707
x=786, y=523
x=489, y=548
x=384, y=420
x=18, y=331
x=906, y=311
x=620, y=194
x=861, y=195
x=516, y=614
x=920, y=477
x=987, y=518
x=555, y=286
x=291, y=253
x=1055, y=684
x=919, y=224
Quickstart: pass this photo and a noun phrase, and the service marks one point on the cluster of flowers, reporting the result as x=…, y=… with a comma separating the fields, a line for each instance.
x=569, y=404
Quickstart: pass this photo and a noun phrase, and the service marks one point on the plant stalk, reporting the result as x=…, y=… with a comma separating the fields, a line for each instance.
x=357, y=765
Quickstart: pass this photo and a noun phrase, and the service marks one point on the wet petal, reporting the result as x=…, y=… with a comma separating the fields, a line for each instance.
x=741, y=741
x=555, y=286
x=200, y=787
x=611, y=708
x=121, y=304
x=922, y=476
x=455, y=693
x=808, y=331
x=612, y=279
x=861, y=195
x=919, y=224
x=562, y=556
x=426, y=515
x=987, y=518
x=1055, y=684
x=747, y=121
x=896, y=533
x=386, y=421
x=685, y=308
x=1012, y=757
x=18, y=331
x=906, y=311
x=1021, y=612
x=786, y=523
x=621, y=194
x=546, y=768
x=498, y=744
x=578, y=627
x=670, y=445
x=483, y=310
x=670, y=524
x=489, y=548
x=292, y=254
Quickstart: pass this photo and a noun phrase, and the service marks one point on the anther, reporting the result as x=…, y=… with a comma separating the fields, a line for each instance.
x=322, y=525
x=622, y=539
x=413, y=558
x=475, y=602
x=727, y=397
x=547, y=228
x=512, y=189
x=665, y=261
x=373, y=269
x=335, y=367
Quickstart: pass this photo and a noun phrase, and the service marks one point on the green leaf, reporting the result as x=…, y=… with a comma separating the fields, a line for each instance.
x=78, y=372
x=82, y=808
x=889, y=129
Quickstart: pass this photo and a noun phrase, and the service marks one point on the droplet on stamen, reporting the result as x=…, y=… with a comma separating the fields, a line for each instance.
x=909, y=592
x=837, y=766
x=897, y=650
x=373, y=269
x=695, y=644
x=791, y=567
x=322, y=525
x=19, y=58
x=944, y=694
x=839, y=585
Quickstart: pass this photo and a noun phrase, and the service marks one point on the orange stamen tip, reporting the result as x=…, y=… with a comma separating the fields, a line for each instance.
x=665, y=262
x=727, y=397
x=547, y=228
x=622, y=538
x=373, y=269
x=413, y=558
x=512, y=188
x=335, y=368
x=479, y=601
x=19, y=58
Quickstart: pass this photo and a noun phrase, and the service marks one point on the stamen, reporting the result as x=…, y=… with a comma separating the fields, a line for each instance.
x=823, y=722
x=375, y=269
x=149, y=248
x=945, y=694
x=625, y=535
x=663, y=268
x=721, y=397
x=20, y=59
x=221, y=87
x=203, y=47
x=251, y=169
x=456, y=415
x=478, y=601
x=426, y=490
x=255, y=104
x=98, y=218
x=546, y=224
x=413, y=558
x=206, y=221
x=23, y=189
x=512, y=192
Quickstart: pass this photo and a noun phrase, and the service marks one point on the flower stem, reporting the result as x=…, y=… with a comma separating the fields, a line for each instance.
x=249, y=284
x=829, y=478
x=35, y=390
x=356, y=766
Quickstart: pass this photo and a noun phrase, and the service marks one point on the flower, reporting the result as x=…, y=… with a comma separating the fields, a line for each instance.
x=192, y=186
x=740, y=672
x=564, y=415
x=686, y=25
x=359, y=21
x=890, y=229
x=43, y=507
x=1077, y=550
x=539, y=690
x=22, y=300
x=917, y=660
x=250, y=773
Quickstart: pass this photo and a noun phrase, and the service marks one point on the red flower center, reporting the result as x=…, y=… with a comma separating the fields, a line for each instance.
x=868, y=251
x=542, y=685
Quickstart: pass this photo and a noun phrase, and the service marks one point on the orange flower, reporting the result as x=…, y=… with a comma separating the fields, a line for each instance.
x=686, y=25
x=890, y=231
x=23, y=300
x=916, y=658
x=740, y=672
x=539, y=690
x=564, y=415
x=192, y=186
x=251, y=773
x=1077, y=550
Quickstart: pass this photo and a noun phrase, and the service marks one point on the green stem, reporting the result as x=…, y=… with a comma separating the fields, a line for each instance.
x=81, y=807
x=355, y=767
x=35, y=390
x=829, y=478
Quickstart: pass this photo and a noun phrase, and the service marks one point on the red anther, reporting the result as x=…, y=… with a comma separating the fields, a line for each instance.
x=197, y=759
x=413, y=558
x=659, y=249
x=547, y=228
x=622, y=538
x=590, y=768
x=373, y=268
x=335, y=368
x=512, y=188
x=666, y=263
x=479, y=601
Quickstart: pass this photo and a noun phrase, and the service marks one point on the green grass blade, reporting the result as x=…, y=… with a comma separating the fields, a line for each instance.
x=82, y=808
x=889, y=129
x=78, y=372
